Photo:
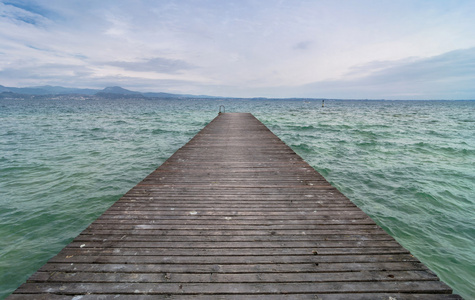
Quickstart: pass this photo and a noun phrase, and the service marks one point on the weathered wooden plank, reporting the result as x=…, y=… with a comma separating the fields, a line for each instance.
x=435, y=287
x=231, y=216
x=290, y=207
x=279, y=228
x=363, y=276
x=234, y=268
x=310, y=296
x=348, y=212
x=234, y=214
x=234, y=221
x=241, y=244
x=239, y=251
x=84, y=238
x=210, y=232
x=215, y=205
x=225, y=259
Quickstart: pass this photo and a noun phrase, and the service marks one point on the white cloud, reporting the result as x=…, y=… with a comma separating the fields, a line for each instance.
x=446, y=76
x=157, y=64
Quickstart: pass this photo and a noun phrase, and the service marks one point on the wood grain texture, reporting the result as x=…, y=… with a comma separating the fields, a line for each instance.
x=234, y=214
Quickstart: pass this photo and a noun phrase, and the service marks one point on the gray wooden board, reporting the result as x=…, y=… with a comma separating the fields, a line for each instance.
x=317, y=296
x=234, y=214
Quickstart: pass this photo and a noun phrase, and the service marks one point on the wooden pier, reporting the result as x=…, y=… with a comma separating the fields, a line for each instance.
x=234, y=214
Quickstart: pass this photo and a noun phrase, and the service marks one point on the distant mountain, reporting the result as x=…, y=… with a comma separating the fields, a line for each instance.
x=47, y=90
x=117, y=90
x=3, y=89
x=162, y=95
x=57, y=90
x=108, y=92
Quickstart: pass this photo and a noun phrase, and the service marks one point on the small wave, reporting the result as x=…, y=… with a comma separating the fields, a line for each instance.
x=120, y=122
x=437, y=134
x=336, y=127
x=302, y=147
x=161, y=131
x=441, y=151
x=302, y=128
x=457, y=151
x=10, y=133
x=366, y=144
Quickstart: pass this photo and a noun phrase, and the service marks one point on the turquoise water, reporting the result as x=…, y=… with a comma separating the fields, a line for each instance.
x=409, y=165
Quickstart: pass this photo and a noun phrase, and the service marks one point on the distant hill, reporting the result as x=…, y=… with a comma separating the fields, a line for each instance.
x=117, y=90
x=162, y=95
x=108, y=92
x=47, y=90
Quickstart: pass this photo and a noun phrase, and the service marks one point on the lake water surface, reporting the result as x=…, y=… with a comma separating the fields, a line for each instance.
x=410, y=165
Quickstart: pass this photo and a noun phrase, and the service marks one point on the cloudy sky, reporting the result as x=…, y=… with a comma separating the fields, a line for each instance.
x=391, y=49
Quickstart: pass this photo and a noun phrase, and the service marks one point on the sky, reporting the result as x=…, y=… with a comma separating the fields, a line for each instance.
x=352, y=49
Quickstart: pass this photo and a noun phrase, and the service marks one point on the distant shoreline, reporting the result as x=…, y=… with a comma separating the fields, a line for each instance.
x=117, y=92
